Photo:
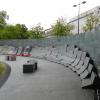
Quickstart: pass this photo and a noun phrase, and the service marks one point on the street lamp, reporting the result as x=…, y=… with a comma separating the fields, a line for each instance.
x=83, y=2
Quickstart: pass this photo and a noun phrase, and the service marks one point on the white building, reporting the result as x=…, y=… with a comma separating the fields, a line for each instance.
x=82, y=19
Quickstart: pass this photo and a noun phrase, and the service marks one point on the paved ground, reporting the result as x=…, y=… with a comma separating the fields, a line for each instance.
x=51, y=82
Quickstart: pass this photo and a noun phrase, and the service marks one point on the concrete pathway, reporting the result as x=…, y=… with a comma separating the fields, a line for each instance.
x=51, y=82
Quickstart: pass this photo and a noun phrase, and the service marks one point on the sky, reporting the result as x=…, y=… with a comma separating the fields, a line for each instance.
x=46, y=12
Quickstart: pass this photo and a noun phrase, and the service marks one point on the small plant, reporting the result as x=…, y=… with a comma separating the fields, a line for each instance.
x=2, y=69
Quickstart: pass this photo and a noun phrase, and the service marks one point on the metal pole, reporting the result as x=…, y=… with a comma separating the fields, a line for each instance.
x=79, y=18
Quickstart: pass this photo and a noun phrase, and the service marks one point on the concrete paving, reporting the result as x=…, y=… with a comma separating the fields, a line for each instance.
x=50, y=82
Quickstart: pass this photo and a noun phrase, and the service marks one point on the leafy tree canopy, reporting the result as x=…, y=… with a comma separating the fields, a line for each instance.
x=36, y=32
x=91, y=22
x=62, y=28
x=19, y=31
x=3, y=17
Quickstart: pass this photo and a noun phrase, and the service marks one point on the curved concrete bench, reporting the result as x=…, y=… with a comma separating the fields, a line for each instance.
x=73, y=57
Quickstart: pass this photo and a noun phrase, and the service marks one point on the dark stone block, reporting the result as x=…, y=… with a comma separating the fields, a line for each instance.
x=33, y=62
x=28, y=68
x=7, y=58
x=35, y=65
x=97, y=94
x=97, y=83
x=11, y=58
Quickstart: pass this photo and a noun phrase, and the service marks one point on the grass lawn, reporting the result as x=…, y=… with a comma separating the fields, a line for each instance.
x=2, y=69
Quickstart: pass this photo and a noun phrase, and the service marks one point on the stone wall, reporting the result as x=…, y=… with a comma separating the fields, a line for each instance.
x=89, y=42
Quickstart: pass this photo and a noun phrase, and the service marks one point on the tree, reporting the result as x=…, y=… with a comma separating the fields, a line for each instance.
x=19, y=31
x=91, y=23
x=8, y=32
x=62, y=28
x=36, y=32
x=3, y=17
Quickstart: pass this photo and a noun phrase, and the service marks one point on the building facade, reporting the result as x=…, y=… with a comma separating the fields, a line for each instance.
x=82, y=19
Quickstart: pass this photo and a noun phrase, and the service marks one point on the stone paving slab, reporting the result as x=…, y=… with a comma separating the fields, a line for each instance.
x=51, y=82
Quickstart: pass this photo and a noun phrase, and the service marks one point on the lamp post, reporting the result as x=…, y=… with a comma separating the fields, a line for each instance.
x=83, y=2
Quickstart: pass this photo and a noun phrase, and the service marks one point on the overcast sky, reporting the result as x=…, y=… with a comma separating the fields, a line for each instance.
x=46, y=12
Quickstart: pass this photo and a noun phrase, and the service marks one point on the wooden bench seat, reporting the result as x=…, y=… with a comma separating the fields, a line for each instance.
x=87, y=72
x=53, y=55
x=83, y=56
x=88, y=82
x=84, y=66
x=66, y=60
x=79, y=65
x=76, y=62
